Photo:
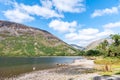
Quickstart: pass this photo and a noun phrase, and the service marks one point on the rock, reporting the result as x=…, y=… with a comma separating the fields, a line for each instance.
x=34, y=68
x=71, y=79
x=118, y=78
x=97, y=78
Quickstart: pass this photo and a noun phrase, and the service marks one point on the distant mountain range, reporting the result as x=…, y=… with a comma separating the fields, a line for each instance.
x=77, y=47
x=21, y=40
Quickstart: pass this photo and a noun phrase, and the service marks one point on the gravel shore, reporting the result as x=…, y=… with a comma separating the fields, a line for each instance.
x=74, y=71
x=62, y=73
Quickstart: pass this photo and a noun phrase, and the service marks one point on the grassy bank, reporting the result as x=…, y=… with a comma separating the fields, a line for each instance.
x=108, y=65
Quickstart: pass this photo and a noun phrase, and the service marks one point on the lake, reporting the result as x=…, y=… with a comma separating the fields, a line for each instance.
x=12, y=66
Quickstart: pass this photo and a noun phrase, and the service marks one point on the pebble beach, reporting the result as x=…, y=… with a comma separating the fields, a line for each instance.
x=63, y=73
x=79, y=70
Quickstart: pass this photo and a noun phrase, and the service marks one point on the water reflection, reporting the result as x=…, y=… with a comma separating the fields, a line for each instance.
x=11, y=66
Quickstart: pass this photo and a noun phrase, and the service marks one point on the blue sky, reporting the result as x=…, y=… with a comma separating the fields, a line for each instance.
x=74, y=21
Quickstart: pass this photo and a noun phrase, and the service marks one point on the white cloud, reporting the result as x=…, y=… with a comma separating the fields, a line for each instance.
x=107, y=11
x=62, y=26
x=18, y=16
x=86, y=36
x=71, y=36
x=89, y=31
x=112, y=25
x=47, y=3
x=22, y=12
x=47, y=9
x=104, y=33
x=74, y=6
x=40, y=11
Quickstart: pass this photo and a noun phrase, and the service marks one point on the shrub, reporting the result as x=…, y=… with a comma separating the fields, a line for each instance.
x=93, y=53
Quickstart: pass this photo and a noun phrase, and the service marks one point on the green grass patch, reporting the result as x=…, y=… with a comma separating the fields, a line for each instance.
x=108, y=60
x=106, y=73
x=108, y=65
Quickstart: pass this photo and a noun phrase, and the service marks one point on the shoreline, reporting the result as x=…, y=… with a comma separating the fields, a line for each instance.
x=62, y=73
x=78, y=70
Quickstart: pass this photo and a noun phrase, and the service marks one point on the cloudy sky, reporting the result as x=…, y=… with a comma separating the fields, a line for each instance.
x=74, y=21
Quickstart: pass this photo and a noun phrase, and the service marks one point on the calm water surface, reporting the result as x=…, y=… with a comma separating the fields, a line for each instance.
x=12, y=66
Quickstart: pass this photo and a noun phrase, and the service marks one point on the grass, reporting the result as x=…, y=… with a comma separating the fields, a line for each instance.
x=117, y=73
x=108, y=60
x=106, y=73
x=108, y=65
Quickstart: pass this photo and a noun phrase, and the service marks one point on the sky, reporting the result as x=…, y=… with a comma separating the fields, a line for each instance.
x=73, y=21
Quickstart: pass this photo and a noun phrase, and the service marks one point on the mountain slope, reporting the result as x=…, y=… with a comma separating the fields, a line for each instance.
x=21, y=40
x=94, y=44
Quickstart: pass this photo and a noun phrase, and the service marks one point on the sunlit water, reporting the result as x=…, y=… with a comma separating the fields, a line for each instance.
x=12, y=66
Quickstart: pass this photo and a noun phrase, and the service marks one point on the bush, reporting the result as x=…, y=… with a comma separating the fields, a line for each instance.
x=93, y=53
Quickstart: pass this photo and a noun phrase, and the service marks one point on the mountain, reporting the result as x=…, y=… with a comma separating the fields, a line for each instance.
x=21, y=40
x=77, y=47
x=94, y=44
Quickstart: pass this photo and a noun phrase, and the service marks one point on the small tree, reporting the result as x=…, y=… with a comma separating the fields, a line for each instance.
x=116, y=38
x=114, y=49
x=103, y=47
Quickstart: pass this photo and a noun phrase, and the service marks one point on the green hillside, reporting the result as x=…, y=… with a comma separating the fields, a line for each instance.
x=20, y=40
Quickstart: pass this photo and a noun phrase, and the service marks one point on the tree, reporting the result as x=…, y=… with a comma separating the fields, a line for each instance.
x=103, y=47
x=104, y=44
x=107, y=49
x=116, y=38
x=114, y=49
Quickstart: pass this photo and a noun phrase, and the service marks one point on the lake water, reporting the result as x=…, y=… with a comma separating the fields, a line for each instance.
x=12, y=66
